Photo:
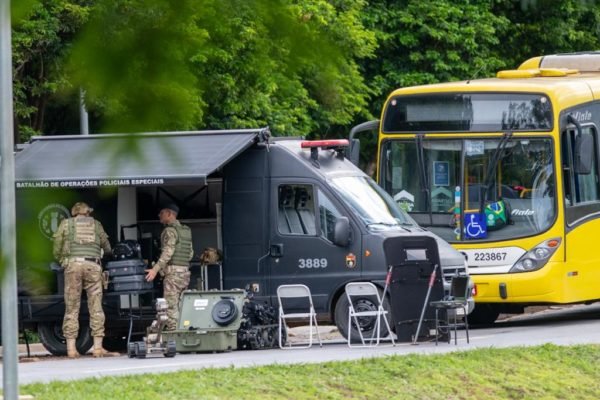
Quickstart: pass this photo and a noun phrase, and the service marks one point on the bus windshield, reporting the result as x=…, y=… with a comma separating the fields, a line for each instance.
x=373, y=205
x=514, y=196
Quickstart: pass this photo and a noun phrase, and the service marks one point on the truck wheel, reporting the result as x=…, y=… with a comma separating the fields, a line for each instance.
x=483, y=314
x=51, y=336
x=366, y=324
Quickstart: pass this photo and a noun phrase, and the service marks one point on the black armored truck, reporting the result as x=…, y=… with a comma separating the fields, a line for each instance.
x=280, y=211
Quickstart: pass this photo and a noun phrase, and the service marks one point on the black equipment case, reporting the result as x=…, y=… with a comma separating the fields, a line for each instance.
x=125, y=267
x=129, y=283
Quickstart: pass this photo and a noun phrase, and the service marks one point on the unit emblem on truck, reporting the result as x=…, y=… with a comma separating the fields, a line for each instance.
x=350, y=260
x=50, y=217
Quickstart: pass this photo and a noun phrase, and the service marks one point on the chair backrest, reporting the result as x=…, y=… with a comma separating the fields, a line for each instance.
x=459, y=287
x=292, y=292
x=362, y=289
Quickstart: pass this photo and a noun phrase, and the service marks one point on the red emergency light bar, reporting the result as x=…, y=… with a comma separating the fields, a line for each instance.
x=325, y=144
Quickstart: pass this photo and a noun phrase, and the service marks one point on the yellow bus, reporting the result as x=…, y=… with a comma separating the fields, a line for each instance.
x=506, y=170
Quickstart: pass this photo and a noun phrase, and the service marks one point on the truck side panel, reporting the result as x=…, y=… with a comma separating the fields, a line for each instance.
x=245, y=210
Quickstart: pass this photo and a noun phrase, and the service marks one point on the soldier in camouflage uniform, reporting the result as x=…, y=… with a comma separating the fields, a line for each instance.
x=174, y=261
x=78, y=242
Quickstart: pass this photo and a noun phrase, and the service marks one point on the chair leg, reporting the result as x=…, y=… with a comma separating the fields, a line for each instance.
x=437, y=326
x=466, y=324
x=314, y=316
x=448, y=327
x=349, y=333
x=377, y=332
x=318, y=334
x=362, y=338
x=387, y=324
x=280, y=323
x=310, y=327
x=455, y=330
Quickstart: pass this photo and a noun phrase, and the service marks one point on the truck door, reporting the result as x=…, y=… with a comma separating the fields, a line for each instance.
x=301, y=246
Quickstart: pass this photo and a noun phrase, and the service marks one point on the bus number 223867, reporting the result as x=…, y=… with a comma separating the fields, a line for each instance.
x=490, y=256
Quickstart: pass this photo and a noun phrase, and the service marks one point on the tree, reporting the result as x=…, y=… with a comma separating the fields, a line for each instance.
x=41, y=36
x=189, y=64
x=424, y=42
x=540, y=27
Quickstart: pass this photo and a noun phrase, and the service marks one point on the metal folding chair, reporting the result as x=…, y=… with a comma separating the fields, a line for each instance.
x=457, y=300
x=364, y=290
x=300, y=293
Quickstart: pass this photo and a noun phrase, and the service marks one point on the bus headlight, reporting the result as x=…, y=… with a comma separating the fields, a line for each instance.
x=537, y=257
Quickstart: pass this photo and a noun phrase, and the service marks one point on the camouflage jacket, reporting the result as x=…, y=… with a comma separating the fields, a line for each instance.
x=61, y=238
x=168, y=241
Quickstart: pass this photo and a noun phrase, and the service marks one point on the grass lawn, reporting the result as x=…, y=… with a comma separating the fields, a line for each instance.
x=544, y=372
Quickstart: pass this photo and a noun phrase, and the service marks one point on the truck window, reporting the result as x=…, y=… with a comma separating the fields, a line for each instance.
x=296, y=214
x=328, y=215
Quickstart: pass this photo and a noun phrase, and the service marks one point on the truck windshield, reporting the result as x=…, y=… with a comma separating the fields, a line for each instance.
x=373, y=205
x=515, y=199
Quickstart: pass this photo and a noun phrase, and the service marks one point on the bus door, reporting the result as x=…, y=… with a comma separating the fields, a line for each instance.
x=582, y=211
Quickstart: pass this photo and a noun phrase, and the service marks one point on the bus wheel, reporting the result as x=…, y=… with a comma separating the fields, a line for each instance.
x=51, y=336
x=484, y=314
x=365, y=324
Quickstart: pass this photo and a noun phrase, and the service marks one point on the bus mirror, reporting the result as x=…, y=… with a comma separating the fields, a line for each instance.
x=354, y=151
x=341, y=232
x=584, y=154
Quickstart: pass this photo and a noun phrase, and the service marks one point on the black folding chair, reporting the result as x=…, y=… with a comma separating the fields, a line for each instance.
x=456, y=303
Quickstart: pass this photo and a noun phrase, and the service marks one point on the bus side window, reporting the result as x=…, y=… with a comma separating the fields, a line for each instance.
x=566, y=165
x=587, y=185
x=579, y=188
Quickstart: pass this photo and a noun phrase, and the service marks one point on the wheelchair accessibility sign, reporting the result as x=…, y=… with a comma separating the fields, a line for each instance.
x=475, y=227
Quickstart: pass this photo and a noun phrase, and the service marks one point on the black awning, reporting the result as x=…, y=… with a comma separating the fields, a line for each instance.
x=128, y=160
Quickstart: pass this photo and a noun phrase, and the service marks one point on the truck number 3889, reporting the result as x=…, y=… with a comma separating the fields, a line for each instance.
x=312, y=263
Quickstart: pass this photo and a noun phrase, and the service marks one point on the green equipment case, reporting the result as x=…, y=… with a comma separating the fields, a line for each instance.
x=208, y=321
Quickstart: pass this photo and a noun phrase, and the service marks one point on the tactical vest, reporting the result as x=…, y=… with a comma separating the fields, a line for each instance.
x=183, y=247
x=84, y=238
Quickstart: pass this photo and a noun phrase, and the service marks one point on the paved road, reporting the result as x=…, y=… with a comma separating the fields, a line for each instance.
x=576, y=325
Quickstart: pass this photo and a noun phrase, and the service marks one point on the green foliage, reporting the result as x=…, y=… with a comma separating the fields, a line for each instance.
x=42, y=33
x=311, y=67
x=548, y=27
x=289, y=65
x=547, y=371
x=133, y=59
x=424, y=42
x=164, y=65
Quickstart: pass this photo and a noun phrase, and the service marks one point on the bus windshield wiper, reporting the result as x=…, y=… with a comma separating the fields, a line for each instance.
x=423, y=177
x=491, y=171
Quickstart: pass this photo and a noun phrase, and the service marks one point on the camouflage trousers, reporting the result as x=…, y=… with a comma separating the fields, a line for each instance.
x=83, y=275
x=174, y=282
